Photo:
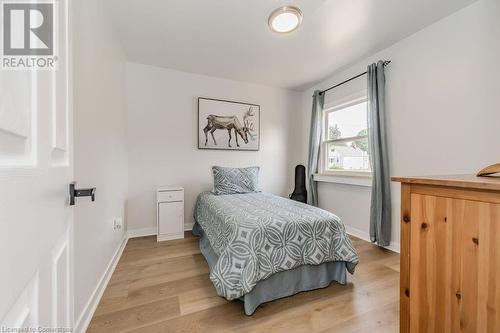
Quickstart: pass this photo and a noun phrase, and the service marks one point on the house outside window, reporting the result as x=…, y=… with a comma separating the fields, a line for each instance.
x=344, y=148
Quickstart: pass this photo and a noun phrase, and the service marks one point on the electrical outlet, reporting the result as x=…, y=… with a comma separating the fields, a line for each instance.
x=117, y=223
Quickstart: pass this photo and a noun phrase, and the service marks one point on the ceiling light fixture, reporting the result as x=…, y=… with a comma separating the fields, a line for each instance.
x=285, y=19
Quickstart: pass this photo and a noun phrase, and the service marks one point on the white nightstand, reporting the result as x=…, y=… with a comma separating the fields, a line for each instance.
x=170, y=213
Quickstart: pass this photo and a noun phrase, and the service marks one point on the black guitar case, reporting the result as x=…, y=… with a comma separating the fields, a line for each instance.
x=300, y=192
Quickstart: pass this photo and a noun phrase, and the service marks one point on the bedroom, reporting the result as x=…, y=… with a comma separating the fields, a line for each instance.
x=126, y=113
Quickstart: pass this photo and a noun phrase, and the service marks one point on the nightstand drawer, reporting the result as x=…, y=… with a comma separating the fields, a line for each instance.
x=169, y=196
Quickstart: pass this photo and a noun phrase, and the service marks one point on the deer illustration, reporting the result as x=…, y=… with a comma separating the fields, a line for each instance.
x=230, y=123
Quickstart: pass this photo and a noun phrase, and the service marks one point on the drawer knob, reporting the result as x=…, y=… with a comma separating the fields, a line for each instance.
x=475, y=240
x=424, y=225
x=458, y=295
x=406, y=218
x=407, y=292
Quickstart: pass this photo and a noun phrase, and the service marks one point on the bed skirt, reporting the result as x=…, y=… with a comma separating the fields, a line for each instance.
x=281, y=284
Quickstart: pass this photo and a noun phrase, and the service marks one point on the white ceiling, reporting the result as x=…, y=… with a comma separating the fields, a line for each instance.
x=231, y=39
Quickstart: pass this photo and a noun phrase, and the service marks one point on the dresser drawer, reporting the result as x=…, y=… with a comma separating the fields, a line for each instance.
x=170, y=196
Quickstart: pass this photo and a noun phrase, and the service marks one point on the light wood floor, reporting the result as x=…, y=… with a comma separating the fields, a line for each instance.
x=164, y=287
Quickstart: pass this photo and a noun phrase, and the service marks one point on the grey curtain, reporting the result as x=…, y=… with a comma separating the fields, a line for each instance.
x=314, y=145
x=380, y=211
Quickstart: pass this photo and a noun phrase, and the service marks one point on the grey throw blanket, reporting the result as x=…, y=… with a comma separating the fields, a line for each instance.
x=258, y=234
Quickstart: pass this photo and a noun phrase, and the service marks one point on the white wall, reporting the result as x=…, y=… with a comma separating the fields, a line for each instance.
x=99, y=145
x=162, y=137
x=443, y=106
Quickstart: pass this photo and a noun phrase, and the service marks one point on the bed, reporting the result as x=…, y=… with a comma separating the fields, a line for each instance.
x=261, y=247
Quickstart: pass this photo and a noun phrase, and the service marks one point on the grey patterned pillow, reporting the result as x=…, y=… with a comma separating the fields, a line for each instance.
x=235, y=180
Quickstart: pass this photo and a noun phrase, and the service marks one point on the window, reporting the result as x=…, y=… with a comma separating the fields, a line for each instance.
x=345, y=138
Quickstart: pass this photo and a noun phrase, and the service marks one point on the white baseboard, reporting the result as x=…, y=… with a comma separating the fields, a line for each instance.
x=151, y=231
x=394, y=246
x=133, y=233
x=141, y=232
x=85, y=317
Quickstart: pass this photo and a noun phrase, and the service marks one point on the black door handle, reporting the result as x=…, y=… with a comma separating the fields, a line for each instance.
x=80, y=192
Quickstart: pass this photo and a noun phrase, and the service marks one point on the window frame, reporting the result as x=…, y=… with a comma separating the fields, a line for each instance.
x=349, y=101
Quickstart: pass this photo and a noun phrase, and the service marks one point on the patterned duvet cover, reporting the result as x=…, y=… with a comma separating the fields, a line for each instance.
x=258, y=234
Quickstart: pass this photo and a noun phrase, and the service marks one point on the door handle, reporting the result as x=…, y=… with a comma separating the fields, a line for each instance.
x=80, y=192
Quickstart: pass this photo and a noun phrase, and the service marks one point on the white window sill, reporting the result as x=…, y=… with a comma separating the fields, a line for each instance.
x=355, y=179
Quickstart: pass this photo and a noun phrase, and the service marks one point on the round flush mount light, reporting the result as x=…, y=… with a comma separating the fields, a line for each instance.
x=285, y=19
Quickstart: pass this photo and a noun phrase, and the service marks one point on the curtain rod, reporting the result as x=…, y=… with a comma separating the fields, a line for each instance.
x=387, y=62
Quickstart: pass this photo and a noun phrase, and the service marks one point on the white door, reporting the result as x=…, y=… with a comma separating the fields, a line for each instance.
x=36, y=166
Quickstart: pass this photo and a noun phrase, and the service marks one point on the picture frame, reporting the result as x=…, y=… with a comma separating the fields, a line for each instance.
x=228, y=125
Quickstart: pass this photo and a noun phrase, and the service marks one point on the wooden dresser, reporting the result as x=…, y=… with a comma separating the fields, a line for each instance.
x=450, y=254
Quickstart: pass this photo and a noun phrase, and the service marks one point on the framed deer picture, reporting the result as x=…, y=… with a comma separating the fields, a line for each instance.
x=228, y=125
